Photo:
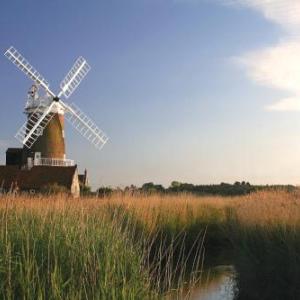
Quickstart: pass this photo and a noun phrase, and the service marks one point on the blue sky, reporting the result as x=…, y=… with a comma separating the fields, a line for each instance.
x=190, y=90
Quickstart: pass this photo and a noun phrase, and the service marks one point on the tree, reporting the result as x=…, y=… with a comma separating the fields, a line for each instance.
x=104, y=191
x=150, y=187
x=175, y=184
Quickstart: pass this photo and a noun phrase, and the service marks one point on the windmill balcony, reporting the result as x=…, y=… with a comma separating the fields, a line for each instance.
x=54, y=162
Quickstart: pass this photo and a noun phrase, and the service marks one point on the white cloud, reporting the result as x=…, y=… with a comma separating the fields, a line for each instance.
x=277, y=66
x=288, y=104
x=284, y=12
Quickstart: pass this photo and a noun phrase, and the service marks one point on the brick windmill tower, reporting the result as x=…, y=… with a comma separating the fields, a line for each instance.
x=43, y=134
x=48, y=140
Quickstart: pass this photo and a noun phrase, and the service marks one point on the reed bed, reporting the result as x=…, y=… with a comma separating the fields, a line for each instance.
x=145, y=246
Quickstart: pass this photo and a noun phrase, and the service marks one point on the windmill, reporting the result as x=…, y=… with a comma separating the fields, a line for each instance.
x=42, y=135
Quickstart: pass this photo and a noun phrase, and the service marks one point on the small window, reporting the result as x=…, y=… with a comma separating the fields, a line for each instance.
x=37, y=155
x=32, y=192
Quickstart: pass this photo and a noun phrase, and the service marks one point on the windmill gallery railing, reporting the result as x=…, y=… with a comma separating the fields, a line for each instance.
x=54, y=162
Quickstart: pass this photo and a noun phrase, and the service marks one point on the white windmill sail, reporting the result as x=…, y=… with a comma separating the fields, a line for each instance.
x=41, y=116
x=74, y=77
x=85, y=126
x=15, y=57
x=34, y=126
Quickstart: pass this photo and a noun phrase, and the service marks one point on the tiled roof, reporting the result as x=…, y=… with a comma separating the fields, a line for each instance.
x=37, y=177
x=14, y=150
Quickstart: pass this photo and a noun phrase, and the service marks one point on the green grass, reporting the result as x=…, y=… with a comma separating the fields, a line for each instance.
x=68, y=256
x=64, y=249
x=147, y=247
x=267, y=260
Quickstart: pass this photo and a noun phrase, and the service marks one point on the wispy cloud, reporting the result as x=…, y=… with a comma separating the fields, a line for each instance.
x=276, y=66
x=286, y=104
x=284, y=12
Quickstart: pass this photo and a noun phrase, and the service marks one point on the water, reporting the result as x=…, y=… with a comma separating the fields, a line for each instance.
x=231, y=275
x=218, y=283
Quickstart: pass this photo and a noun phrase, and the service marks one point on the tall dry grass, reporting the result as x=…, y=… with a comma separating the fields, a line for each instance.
x=57, y=249
x=62, y=248
x=142, y=246
x=257, y=208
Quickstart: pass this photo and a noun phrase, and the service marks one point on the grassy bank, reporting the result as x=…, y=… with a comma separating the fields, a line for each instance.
x=143, y=247
x=60, y=248
x=57, y=250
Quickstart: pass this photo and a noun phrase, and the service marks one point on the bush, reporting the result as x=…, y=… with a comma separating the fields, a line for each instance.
x=54, y=189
